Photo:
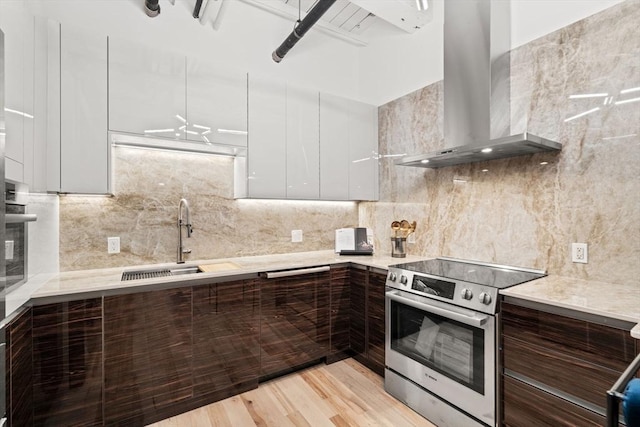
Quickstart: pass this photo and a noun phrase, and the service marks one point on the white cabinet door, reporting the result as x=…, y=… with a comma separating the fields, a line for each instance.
x=216, y=104
x=84, y=149
x=146, y=90
x=46, y=147
x=334, y=147
x=15, y=23
x=363, y=152
x=303, y=138
x=267, y=154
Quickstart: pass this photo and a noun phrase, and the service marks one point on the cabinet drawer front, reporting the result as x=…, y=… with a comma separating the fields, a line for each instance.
x=527, y=406
x=601, y=345
x=560, y=371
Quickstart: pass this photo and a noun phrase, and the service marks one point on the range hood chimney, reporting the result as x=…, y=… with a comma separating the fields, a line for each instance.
x=477, y=113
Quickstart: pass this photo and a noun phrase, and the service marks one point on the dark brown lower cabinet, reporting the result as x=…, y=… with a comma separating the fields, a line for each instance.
x=367, y=317
x=358, y=312
x=339, y=323
x=147, y=355
x=526, y=406
x=226, y=346
x=551, y=360
x=138, y=358
x=67, y=363
x=294, y=326
x=19, y=370
x=375, y=320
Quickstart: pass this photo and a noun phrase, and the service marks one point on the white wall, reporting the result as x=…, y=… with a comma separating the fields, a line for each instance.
x=392, y=65
x=395, y=64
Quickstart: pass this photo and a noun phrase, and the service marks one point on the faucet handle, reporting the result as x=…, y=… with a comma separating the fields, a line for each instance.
x=186, y=251
x=189, y=230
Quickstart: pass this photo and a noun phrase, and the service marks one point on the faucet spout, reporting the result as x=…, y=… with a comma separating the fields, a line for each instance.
x=183, y=221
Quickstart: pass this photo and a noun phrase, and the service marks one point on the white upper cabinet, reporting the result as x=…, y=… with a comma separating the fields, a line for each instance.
x=303, y=136
x=363, y=152
x=216, y=104
x=334, y=147
x=17, y=26
x=267, y=149
x=146, y=90
x=84, y=148
x=348, y=149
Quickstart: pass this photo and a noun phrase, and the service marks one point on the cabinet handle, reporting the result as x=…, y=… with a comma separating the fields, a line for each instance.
x=299, y=272
x=20, y=218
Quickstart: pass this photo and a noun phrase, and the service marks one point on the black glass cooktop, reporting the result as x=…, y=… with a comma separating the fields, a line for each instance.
x=487, y=275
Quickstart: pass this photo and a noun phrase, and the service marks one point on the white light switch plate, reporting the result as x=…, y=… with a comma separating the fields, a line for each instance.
x=296, y=236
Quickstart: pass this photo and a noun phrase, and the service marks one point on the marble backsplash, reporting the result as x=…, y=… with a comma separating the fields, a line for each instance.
x=149, y=184
x=526, y=211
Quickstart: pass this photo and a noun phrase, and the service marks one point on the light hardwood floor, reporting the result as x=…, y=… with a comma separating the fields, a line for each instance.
x=341, y=394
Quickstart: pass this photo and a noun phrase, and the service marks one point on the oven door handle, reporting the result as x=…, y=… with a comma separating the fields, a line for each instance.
x=475, y=319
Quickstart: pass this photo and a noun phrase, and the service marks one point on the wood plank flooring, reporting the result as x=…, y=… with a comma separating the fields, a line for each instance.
x=342, y=394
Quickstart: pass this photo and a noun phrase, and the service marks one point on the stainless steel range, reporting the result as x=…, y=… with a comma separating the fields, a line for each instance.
x=441, y=337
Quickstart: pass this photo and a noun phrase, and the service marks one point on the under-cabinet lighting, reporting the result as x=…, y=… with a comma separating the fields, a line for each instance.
x=20, y=113
x=544, y=163
x=233, y=131
x=201, y=127
x=485, y=170
x=589, y=95
x=459, y=181
x=633, y=89
x=425, y=161
x=394, y=155
x=626, y=101
x=158, y=130
x=182, y=119
x=487, y=150
x=593, y=110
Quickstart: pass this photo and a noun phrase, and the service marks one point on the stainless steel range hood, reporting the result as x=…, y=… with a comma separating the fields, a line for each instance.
x=477, y=112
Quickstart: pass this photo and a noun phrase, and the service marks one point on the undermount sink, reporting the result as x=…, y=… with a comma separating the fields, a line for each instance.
x=159, y=272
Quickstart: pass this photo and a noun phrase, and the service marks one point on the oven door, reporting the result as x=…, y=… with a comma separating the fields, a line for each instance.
x=445, y=349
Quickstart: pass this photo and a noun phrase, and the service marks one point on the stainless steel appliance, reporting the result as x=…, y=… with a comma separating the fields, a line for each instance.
x=16, y=234
x=441, y=337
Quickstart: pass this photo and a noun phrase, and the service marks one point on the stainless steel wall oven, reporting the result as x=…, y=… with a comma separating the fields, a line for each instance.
x=16, y=234
x=441, y=337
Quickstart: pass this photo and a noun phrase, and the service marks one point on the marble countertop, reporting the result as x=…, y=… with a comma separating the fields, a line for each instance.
x=94, y=282
x=617, y=301
x=612, y=300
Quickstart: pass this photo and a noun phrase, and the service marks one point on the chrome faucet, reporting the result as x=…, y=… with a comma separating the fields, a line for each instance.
x=187, y=225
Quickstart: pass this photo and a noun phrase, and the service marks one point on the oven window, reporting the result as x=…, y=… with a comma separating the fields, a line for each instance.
x=444, y=345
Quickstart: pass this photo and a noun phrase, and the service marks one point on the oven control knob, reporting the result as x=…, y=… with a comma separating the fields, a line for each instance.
x=485, y=298
x=403, y=279
x=392, y=277
x=467, y=294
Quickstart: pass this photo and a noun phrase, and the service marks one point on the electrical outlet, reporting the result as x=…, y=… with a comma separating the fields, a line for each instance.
x=579, y=253
x=296, y=236
x=411, y=238
x=8, y=249
x=113, y=245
